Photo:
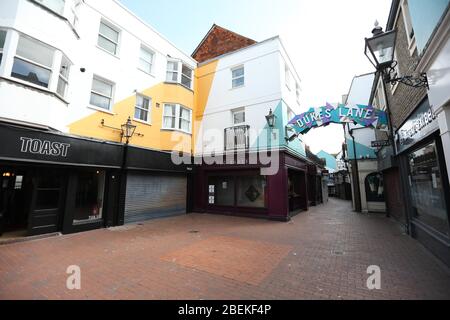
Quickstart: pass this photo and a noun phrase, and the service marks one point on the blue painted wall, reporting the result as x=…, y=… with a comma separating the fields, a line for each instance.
x=331, y=161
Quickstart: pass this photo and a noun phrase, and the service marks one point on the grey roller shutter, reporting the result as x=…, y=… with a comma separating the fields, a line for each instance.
x=154, y=196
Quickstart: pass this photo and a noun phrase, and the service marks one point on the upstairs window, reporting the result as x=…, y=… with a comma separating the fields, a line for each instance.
x=33, y=62
x=177, y=117
x=54, y=5
x=102, y=93
x=239, y=117
x=142, y=108
x=108, y=38
x=2, y=43
x=287, y=77
x=175, y=76
x=146, y=60
x=238, y=77
x=63, y=79
x=408, y=26
x=297, y=91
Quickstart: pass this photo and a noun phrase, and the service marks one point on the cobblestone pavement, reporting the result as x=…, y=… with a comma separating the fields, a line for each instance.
x=321, y=254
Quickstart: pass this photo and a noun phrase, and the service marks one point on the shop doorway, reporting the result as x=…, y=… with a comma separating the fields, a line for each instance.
x=31, y=201
x=297, y=195
x=15, y=188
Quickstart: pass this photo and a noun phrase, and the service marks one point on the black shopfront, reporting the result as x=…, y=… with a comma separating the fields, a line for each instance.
x=425, y=180
x=51, y=182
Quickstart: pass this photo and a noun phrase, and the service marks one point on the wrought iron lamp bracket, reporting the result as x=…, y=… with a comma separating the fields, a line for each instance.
x=415, y=81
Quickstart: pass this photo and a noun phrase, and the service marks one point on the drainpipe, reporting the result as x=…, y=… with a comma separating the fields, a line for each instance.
x=358, y=206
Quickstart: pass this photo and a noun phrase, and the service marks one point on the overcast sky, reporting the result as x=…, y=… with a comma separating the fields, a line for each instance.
x=324, y=38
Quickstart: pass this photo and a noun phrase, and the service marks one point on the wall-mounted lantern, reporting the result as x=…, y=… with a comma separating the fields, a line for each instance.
x=271, y=119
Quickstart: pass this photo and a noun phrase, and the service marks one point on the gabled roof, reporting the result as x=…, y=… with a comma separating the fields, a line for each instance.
x=219, y=34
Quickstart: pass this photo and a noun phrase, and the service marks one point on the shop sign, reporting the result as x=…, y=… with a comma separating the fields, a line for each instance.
x=380, y=143
x=365, y=116
x=44, y=147
x=421, y=123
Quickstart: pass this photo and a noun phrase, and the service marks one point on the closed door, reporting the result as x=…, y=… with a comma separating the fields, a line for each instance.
x=47, y=202
x=154, y=196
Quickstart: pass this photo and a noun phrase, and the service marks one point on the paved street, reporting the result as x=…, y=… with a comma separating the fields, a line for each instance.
x=320, y=254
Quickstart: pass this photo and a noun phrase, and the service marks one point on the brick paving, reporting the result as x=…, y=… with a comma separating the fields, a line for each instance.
x=320, y=254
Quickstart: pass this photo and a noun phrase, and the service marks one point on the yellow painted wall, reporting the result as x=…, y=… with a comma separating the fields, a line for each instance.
x=153, y=136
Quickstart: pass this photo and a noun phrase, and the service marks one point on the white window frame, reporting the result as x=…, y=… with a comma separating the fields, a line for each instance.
x=408, y=26
x=113, y=90
x=178, y=108
x=287, y=76
x=136, y=106
x=49, y=68
x=238, y=77
x=51, y=9
x=380, y=97
x=179, y=72
x=116, y=29
x=237, y=111
x=149, y=51
x=297, y=92
x=63, y=78
x=3, y=48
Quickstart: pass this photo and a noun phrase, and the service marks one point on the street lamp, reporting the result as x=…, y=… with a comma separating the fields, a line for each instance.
x=128, y=130
x=380, y=52
x=271, y=119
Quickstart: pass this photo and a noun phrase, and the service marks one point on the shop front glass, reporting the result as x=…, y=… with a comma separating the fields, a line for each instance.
x=89, y=197
x=427, y=188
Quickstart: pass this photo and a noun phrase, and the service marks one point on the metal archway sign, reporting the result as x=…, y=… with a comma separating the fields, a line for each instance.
x=365, y=116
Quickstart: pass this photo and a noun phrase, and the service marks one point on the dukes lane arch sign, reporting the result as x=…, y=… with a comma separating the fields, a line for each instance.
x=365, y=116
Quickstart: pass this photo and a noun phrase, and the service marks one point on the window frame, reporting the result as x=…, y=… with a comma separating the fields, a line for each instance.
x=297, y=92
x=113, y=87
x=233, y=78
x=237, y=111
x=62, y=77
x=180, y=64
x=177, y=117
x=149, y=51
x=407, y=21
x=2, y=49
x=114, y=28
x=51, y=9
x=287, y=76
x=136, y=106
x=37, y=64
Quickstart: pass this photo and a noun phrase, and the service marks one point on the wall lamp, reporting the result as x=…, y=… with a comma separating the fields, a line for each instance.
x=271, y=119
x=127, y=130
x=380, y=52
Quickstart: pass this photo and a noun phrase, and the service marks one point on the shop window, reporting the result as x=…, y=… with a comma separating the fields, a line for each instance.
x=89, y=197
x=47, y=199
x=221, y=191
x=18, y=183
x=33, y=62
x=374, y=187
x=250, y=191
x=427, y=190
x=247, y=191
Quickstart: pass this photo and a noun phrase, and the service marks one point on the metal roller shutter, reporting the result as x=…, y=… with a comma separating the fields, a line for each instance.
x=154, y=196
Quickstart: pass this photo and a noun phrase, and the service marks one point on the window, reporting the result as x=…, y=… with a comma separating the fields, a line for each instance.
x=101, y=93
x=408, y=26
x=108, y=38
x=238, y=77
x=297, y=91
x=177, y=117
x=63, y=79
x=287, y=77
x=54, y=5
x=380, y=100
x=238, y=117
x=2, y=43
x=396, y=73
x=172, y=71
x=89, y=196
x=174, y=75
x=33, y=62
x=427, y=187
x=186, y=76
x=146, y=60
x=142, y=108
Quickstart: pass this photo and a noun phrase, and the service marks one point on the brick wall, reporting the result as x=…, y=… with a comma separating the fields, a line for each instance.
x=218, y=42
x=404, y=99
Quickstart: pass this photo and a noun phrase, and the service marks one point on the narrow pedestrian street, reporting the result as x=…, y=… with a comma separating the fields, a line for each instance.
x=321, y=254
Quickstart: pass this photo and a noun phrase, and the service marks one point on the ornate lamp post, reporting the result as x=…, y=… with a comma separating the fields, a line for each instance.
x=128, y=130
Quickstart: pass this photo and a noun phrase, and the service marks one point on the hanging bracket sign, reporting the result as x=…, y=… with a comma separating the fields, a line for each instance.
x=365, y=116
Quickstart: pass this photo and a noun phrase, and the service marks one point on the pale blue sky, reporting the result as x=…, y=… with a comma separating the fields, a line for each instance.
x=324, y=39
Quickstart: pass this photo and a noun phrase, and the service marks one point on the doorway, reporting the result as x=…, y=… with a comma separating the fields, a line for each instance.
x=15, y=188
